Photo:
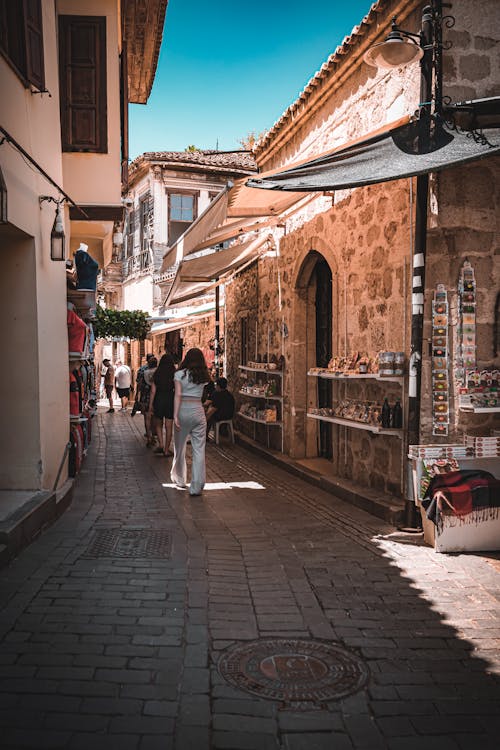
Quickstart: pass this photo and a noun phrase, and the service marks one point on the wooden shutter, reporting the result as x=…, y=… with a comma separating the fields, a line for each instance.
x=82, y=70
x=34, y=43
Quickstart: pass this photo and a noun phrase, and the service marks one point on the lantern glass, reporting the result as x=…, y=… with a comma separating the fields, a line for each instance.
x=57, y=238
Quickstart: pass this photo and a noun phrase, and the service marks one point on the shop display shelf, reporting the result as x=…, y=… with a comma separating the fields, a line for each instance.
x=358, y=425
x=263, y=370
x=357, y=376
x=480, y=409
x=259, y=421
x=255, y=395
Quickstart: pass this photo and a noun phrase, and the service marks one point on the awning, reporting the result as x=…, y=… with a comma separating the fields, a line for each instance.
x=198, y=276
x=192, y=315
x=234, y=211
x=387, y=155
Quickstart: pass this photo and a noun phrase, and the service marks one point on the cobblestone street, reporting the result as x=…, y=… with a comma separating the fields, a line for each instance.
x=112, y=640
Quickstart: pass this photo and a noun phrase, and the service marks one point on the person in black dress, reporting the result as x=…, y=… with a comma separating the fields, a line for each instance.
x=162, y=403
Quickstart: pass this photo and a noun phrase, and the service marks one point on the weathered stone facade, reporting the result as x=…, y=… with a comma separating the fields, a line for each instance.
x=366, y=238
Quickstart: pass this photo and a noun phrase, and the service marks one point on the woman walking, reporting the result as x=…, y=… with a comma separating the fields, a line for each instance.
x=162, y=403
x=189, y=420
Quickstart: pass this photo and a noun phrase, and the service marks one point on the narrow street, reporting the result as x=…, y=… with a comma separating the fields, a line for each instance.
x=118, y=622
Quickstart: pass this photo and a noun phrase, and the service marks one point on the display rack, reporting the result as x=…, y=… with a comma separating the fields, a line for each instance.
x=267, y=373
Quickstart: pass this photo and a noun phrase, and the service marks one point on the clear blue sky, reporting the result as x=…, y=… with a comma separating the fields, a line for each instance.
x=229, y=67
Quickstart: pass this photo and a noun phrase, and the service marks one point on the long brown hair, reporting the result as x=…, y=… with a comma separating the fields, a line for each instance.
x=194, y=363
x=164, y=375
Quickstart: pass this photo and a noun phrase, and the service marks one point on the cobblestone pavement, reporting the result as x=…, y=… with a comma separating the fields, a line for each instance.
x=99, y=651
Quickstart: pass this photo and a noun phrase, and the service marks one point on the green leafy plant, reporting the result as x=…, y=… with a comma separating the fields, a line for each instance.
x=132, y=324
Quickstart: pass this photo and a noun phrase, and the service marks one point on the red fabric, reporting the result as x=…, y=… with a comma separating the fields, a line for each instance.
x=466, y=493
x=77, y=433
x=77, y=332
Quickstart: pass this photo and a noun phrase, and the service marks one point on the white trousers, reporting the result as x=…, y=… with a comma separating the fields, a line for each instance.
x=193, y=423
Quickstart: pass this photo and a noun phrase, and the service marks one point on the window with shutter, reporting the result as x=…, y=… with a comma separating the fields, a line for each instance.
x=21, y=40
x=82, y=72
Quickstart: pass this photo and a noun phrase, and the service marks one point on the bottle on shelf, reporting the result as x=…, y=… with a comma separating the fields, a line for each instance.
x=386, y=414
x=397, y=415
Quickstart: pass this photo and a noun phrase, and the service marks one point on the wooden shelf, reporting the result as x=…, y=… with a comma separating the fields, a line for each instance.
x=260, y=421
x=480, y=409
x=267, y=398
x=356, y=376
x=263, y=370
x=358, y=425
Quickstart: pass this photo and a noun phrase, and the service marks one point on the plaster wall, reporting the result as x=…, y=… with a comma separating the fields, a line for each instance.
x=80, y=169
x=138, y=294
x=34, y=287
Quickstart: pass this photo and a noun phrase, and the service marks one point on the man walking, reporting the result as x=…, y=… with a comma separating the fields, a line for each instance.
x=109, y=382
x=123, y=380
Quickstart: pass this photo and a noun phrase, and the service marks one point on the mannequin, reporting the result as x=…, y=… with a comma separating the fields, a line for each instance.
x=86, y=269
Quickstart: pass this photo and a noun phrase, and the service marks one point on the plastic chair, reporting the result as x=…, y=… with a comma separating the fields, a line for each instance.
x=217, y=425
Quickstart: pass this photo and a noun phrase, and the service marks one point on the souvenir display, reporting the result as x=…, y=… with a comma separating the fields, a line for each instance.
x=366, y=412
x=440, y=362
x=382, y=364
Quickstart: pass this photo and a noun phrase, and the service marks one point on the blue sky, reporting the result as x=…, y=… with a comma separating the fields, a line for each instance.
x=229, y=67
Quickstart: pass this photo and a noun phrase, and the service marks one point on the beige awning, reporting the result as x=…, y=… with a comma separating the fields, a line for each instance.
x=198, y=276
x=234, y=211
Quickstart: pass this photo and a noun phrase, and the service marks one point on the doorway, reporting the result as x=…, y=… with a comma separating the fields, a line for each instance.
x=322, y=277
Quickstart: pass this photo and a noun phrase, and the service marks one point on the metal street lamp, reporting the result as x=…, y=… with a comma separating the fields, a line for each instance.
x=401, y=48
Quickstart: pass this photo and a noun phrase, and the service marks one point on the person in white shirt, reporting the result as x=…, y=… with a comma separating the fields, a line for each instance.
x=190, y=421
x=123, y=382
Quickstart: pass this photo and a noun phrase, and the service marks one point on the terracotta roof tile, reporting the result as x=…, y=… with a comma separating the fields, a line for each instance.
x=229, y=161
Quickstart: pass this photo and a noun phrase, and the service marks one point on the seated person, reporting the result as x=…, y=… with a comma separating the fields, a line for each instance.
x=220, y=405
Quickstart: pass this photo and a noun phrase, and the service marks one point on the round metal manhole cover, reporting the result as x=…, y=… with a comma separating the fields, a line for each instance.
x=304, y=674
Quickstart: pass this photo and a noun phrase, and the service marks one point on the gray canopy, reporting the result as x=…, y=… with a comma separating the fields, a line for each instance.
x=384, y=156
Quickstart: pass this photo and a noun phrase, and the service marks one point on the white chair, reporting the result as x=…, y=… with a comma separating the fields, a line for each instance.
x=217, y=425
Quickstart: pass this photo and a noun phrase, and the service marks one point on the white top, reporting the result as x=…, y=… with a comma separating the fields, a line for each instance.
x=123, y=377
x=190, y=389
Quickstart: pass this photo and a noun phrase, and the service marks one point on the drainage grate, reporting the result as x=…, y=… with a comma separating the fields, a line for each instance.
x=300, y=674
x=130, y=543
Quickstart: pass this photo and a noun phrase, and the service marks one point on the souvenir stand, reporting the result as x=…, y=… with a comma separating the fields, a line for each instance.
x=82, y=388
x=457, y=485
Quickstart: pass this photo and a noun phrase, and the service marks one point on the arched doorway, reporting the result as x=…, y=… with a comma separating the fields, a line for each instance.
x=312, y=345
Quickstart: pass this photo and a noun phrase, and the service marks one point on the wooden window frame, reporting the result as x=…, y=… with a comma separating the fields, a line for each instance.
x=30, y=66
x=100, y=146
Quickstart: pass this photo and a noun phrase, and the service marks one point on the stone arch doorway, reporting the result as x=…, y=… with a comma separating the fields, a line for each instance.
x=314, y=334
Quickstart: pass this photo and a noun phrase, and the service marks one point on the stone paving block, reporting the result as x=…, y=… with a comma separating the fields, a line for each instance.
x=36, y=739
x=244, y=707
x=317, y=741
x=192, y=738
x=88, y=741
x=161, y=708
x=243, y=741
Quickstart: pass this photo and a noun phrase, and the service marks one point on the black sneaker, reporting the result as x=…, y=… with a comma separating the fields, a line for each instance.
x=110, y=411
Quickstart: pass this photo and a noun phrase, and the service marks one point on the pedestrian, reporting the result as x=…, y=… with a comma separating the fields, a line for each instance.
x=161, y=404
x=190, y=421
x=123, y=380
x=145, y=399
x=220, y=405
x=139, y=383
x=109, y=382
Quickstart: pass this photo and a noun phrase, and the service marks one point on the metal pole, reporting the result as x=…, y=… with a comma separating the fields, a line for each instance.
x=217, y=332
x=418, y=282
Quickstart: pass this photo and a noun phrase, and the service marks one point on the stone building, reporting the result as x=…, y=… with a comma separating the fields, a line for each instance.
x=167, y=192
x=341, y=283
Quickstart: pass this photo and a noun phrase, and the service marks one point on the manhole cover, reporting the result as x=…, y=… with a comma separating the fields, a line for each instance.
x=130, y=543
x=303, y=674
